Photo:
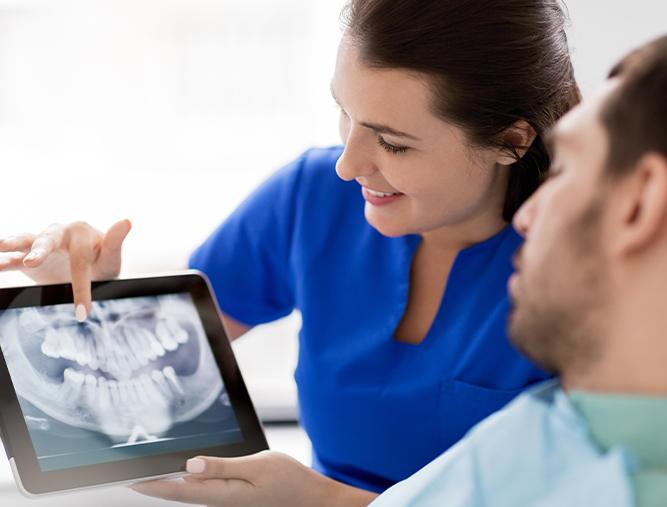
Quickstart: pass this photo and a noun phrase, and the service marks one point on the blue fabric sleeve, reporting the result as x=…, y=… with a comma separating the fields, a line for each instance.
x=247, y=258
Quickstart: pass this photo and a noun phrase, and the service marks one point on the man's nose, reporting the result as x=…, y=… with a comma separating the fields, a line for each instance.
x=357, y=158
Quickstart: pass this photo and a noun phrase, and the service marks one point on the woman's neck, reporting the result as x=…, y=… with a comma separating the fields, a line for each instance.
x=457, y=237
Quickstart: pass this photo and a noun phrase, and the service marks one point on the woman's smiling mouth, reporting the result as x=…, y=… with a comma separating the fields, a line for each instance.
x=377, y=198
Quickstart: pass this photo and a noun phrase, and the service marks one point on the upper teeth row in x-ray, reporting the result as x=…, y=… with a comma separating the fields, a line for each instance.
x=118, y=351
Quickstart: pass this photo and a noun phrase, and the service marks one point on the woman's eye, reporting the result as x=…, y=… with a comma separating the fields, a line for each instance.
x=391, y=148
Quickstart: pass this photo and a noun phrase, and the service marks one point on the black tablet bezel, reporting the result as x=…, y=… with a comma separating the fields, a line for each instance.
x=14, y=431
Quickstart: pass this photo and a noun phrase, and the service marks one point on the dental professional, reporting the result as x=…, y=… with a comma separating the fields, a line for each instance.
x=396, y=248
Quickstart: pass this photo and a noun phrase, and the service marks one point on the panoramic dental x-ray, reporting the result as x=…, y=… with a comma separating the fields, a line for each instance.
x=138, y=371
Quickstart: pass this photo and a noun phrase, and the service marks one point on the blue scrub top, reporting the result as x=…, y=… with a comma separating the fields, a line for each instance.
x=375, y=409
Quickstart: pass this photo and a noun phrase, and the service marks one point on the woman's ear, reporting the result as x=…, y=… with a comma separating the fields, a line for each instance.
x=520, y=135
x=643, y=208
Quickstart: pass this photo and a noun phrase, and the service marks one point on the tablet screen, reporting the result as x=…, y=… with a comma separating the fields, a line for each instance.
x=137, y=378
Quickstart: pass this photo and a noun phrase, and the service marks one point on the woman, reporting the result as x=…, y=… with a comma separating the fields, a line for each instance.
x=396, y=248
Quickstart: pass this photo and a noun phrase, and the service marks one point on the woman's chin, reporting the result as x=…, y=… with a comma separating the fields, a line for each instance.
x=387, y=227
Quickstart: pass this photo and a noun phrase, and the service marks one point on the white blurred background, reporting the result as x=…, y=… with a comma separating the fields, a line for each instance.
x=168, y=112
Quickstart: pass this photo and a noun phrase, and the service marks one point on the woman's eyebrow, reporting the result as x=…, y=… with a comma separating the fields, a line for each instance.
x=376, y=127
x=384, y=129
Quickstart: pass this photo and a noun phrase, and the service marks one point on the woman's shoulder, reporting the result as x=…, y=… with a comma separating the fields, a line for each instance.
x=303, y=181
x=314, y=169
x=317, y=188
x=318, y=165
x=321, y=157
x=323, y=204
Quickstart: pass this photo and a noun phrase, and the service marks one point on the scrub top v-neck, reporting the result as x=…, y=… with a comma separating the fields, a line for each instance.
x=376, y=409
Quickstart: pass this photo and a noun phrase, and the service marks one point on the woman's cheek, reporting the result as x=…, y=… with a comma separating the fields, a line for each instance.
x=421, y=187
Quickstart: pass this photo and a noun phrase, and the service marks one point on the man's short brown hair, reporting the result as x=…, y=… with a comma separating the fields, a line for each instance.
x=635, y=115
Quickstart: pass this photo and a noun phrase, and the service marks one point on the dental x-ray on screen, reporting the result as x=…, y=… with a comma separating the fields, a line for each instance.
x=136, y=378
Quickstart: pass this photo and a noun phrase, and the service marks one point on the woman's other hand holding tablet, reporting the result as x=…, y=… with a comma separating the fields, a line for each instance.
x=76, y=251
x=267, y=478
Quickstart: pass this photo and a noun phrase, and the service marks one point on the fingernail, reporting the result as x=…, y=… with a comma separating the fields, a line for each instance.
x=195, y=465
x=80, y=312
x=33, y=255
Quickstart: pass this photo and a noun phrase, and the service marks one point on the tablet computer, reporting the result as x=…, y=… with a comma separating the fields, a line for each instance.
x=146, y=382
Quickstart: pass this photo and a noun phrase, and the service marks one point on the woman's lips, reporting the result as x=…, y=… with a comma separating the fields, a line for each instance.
x=377, y=198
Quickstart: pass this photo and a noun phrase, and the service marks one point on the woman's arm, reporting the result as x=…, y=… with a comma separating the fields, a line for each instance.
x=234, y=328
x=269, y=479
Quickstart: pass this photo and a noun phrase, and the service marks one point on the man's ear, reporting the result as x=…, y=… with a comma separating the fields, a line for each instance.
x=520, y=135
x=643, y=205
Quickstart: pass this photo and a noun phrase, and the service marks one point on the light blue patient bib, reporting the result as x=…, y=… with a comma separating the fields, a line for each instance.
x=536, y=452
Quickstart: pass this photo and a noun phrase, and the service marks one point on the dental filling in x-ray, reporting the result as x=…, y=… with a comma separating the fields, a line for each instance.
x=136, y=378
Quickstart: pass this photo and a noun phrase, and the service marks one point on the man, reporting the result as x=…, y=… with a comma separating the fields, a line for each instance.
x=590, y=304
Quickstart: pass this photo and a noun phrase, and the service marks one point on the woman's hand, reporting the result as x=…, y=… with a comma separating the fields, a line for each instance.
x=269, y=479
x=60, y=253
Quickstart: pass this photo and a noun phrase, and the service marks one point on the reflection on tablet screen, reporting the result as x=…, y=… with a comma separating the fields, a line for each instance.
x=137, y=378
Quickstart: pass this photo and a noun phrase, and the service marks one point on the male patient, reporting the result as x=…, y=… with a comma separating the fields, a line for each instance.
x=590, y=304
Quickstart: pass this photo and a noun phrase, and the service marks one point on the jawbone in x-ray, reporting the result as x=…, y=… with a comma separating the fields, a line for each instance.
x=137, y=370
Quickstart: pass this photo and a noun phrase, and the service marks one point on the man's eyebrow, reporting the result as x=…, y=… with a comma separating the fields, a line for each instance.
x=333, y=94
x=376, y=127
x=559, y=139
x=550, y=139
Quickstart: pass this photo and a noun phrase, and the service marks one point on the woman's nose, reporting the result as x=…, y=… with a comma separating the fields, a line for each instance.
x=356, y=159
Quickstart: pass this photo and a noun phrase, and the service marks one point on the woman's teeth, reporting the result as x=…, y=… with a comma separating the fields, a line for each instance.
x=375, y=193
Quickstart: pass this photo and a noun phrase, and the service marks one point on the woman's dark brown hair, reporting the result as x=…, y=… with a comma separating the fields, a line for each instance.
x=491, y=63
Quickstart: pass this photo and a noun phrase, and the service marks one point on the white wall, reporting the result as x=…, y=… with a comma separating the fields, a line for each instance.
x=167, y=112
x=164, y=111
x=170, y=111
x=602, y=31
